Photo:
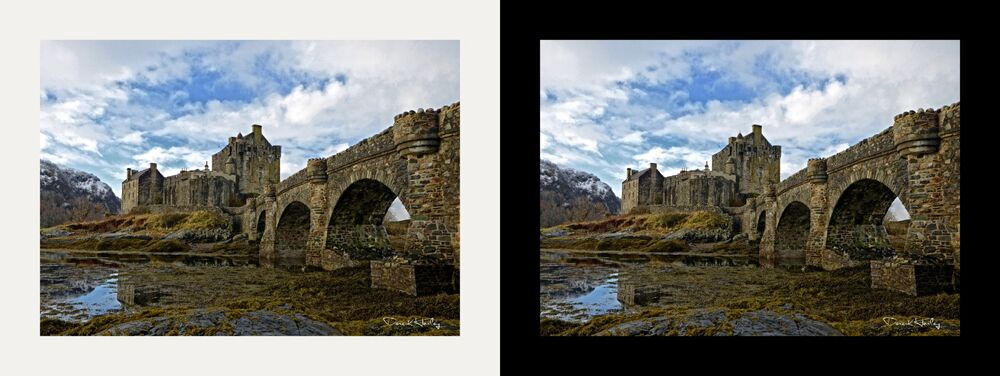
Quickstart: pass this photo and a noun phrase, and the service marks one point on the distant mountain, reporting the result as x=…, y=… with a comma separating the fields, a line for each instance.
x=72, y=195
x=572, y=195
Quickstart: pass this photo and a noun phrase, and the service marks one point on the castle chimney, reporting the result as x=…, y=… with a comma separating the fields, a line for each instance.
x=152, y=166
x=257, y=133
x=628, y=173
x=756, y=133
x=128, y=173
x=652, y=166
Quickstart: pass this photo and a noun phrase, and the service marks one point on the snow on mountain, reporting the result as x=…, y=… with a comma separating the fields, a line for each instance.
x=70, y=190
x=569, y=183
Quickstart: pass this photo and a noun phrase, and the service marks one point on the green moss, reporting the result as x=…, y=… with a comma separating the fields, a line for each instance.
x=170, y=246
x=120, y=243
x=554, y=327
x=571, y=243
x=621, y=243
x=900, y=326
x=169, y=220
x=669, y=220
x=733, y=248
x=704, y=220
x=668, y=246
x=204, y=220
x=51, y=327
x=236, y=248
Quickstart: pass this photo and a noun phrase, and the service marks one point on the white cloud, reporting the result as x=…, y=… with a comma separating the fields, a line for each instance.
x=634, y=138
x=334, y=149
x=815, y=98
x=134, y=138
x=106, y=104
x=177, y=157
x=681, y=157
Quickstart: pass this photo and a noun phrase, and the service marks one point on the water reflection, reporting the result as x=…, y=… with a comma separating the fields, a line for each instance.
x=118, y=258
x=602, y=300
x=579, y=285
x=632, y=294
x=132, y=294
x=79, y=285
x=99, y=301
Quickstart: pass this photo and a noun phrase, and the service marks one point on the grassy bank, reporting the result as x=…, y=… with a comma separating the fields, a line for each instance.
x=145, y=232
x=642, y=232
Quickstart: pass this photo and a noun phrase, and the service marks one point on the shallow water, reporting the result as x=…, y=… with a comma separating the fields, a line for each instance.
x=577, y=286
x=79, y=285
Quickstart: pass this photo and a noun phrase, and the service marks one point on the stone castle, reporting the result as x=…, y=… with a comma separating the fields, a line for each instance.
x=330, y=214
x=241, y=170
x=832, y=213
x=739, y=171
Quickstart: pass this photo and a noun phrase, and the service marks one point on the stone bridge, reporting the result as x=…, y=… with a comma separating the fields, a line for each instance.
x=832, y=211
x=330, y=213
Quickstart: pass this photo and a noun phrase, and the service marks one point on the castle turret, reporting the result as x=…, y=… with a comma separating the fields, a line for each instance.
x=916, y=133
x=416, y=132
x=816, y=170
x=316, y=170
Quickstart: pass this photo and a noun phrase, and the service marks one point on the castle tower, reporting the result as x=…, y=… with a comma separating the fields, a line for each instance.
x=752, y=159
x=255, y=162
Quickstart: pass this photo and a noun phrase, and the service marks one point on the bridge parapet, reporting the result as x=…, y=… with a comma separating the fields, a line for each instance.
x=374, y=146
x=948, y=119
x=293, y=181
x=792, y=181
x=449, y=119
x=872, y=146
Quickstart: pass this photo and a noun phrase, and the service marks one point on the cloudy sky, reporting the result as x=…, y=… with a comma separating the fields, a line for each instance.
x=610, y=105
x=110, y=105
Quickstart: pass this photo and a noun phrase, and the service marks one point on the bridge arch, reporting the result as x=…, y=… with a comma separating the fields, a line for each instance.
x=261, y=224
x=356, y=228
x=792, y=231
x=292, y=231
x=761, y=223
x=856, y=225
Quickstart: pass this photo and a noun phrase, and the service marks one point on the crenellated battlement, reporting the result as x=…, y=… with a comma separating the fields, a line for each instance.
x=948, y=118
x=449, y=119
